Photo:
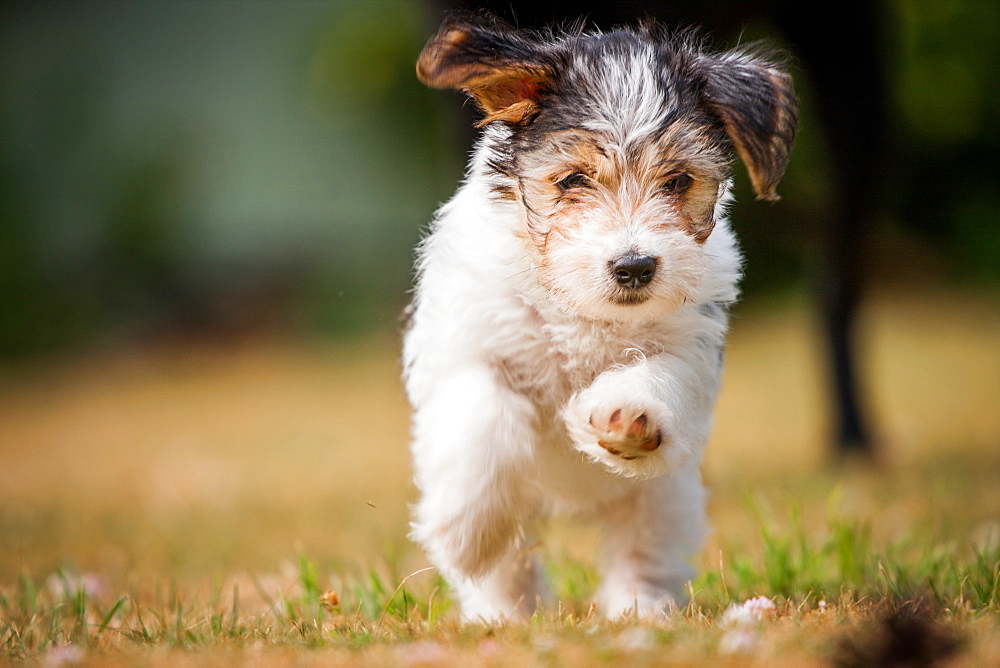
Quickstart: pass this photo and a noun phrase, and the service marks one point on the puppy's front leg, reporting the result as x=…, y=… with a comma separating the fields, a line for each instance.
x=472, y=436
x=650, y=536
x=640, y=421
x=647, y=418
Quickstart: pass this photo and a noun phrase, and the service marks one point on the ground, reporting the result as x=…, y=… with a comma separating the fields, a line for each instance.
x=211, y=503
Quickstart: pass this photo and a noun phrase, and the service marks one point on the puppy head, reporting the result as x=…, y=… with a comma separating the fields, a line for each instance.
x=617, y=148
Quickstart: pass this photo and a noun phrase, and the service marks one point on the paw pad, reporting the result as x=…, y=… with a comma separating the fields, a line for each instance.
x=628, y=438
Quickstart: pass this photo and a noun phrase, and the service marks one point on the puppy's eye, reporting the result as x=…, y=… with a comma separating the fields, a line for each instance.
x=574, y=180
x=676, y=184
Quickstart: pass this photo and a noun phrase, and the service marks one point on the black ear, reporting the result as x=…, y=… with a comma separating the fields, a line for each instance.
x=756, y=102
x=504, y=70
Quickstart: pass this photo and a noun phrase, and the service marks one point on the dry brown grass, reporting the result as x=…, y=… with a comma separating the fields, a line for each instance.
x=201, y=467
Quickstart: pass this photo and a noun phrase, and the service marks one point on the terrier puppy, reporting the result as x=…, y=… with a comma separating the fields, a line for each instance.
x=565, y=342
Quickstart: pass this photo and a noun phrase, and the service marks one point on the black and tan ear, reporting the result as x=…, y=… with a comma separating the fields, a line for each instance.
x=756, y=102
x=504, y=71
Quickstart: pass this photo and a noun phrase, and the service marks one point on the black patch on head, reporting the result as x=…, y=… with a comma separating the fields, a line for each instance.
x=590, y=60
x=541, y=82
x=581, y=66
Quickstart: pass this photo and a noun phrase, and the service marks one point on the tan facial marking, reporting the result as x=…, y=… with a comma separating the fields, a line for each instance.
x=626, y=181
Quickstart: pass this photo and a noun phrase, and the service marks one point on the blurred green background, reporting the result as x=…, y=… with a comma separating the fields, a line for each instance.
x=225, y=167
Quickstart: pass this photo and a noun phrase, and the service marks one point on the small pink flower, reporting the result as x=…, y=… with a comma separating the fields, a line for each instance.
x=761, y=605
x=749, y=612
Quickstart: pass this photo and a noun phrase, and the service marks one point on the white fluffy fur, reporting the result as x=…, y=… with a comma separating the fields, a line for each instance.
x=508, y=379
x=565, y=348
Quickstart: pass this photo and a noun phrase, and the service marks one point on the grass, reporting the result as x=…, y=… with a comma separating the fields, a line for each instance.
x=823, y=589
x=248, y=504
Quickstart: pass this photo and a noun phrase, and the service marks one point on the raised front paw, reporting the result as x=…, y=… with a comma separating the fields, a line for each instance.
x=627, y=433
x=629, y=438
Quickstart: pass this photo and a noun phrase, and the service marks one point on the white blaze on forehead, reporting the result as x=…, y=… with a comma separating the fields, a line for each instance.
x=628, y=100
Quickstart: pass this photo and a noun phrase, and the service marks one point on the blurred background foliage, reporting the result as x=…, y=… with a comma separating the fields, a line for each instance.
x=222, y=167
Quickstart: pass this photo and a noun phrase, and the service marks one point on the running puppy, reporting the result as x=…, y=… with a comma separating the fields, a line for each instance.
x=565, y=344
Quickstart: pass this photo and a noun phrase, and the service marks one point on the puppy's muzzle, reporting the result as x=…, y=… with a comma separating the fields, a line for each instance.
x=633, y=271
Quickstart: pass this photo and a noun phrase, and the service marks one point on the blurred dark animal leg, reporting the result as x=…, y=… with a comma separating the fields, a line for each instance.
x=840, y=299
x=850, y=85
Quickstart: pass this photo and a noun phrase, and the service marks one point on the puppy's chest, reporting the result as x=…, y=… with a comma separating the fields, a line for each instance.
x=559, y=359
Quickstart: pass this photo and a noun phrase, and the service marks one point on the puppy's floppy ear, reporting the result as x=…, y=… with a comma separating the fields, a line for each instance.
x=755, y=100
x=505, y=71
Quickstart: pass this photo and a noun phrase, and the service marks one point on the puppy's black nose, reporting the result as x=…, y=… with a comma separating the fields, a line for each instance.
x=633, y=271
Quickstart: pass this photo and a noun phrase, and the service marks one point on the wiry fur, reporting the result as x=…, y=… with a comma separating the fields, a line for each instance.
x=541, y=384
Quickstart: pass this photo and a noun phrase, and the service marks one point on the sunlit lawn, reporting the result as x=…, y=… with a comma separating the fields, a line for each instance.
x=207, y=496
